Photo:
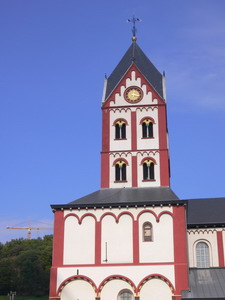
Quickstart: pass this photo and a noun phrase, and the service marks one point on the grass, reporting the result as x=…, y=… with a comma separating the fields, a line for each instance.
x=25, y=298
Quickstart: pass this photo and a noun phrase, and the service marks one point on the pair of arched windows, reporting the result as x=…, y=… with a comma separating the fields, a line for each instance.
x=120, y=130
x=148, y=170
x=120, y=171
x=147, y=128
x=202, y=255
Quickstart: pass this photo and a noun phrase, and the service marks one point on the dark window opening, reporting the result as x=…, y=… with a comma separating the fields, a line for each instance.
x=123, y=131
x=120, y=129
x=120, y=172
x=117, y=131
x=148, y=171
x=147, y=129
x=117, y=167
x=152, y=170
x=124, y=175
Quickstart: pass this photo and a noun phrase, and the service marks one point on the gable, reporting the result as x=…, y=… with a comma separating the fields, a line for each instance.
x=135, y=56
x=133, y=78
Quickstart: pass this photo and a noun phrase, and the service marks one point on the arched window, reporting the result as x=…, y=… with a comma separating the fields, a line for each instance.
x=148, y=170
x=202, y=255
x=147, y=128
x=125, y=295
x=147, y=232
x=120, y=130
x=120, y=171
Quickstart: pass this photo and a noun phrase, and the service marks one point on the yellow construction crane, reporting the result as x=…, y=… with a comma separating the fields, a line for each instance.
x=29, y=228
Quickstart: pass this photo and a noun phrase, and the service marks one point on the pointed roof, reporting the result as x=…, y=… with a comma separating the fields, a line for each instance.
x=136, y=56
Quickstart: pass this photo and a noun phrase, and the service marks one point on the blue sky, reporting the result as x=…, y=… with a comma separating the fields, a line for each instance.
x=53, y=57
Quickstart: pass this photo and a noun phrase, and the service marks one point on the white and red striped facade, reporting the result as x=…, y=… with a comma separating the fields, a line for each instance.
x=134, y=148
x=99, y=251
x=131, y=263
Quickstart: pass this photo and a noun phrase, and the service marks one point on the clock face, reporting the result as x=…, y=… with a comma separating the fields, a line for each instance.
x=133, y=94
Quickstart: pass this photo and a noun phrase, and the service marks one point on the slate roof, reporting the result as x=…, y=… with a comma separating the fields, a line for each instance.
x=125, y=196
x=206, y=212
x=206, y=284
x=209, y=212
x=135, y=55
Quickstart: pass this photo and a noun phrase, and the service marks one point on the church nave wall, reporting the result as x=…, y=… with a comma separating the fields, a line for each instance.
x=161, y=248
x=206, y=247
x=79, y=241
x=133, y=235
x=117, y=240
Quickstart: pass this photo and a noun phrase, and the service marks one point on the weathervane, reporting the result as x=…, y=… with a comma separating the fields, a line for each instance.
x=134, y=30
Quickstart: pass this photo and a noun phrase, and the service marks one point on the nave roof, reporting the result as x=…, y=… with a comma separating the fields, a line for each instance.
x=206, y=212
x=125, y=197
x=206, y=284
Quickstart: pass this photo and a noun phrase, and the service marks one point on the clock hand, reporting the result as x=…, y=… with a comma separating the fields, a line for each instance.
x=133, y=94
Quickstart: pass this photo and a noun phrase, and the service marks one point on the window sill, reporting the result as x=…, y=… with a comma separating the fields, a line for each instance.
x=118, y=181
x=147, y=138
x=144, y=180
x=120, y=139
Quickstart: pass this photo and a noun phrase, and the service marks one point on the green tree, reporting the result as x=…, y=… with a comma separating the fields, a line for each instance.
x=25, y=266
x=31, y=276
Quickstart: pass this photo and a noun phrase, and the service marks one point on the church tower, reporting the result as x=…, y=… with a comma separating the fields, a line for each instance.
x=126, y=241
x=134, y=126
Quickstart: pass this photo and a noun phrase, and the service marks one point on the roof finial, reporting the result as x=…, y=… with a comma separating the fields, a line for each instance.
x=134, y=30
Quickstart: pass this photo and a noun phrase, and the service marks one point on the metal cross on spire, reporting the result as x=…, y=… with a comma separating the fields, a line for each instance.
x=134, y=29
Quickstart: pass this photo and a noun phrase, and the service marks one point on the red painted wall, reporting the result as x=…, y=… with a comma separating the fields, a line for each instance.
x=105, y=170
x=164, y=153
x=220, y=248
x=58, y=239
x=57, y=253
x=134, y=171
x=180, y=249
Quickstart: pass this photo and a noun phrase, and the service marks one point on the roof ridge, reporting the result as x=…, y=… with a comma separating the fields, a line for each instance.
x=135, y=55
